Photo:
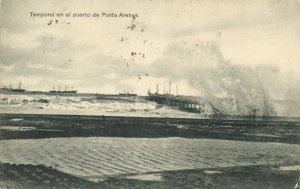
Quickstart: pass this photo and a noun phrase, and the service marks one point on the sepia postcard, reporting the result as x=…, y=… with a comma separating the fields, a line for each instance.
x=150, y=94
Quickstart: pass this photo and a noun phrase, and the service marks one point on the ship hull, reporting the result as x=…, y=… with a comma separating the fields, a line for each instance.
x=63, y=92
x=12, y=90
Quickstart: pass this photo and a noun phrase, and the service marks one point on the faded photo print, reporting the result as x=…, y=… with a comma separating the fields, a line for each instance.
x=154, y=94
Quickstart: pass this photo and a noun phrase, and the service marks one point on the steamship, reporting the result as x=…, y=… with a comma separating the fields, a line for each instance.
x=10, y=89
x=63, y=91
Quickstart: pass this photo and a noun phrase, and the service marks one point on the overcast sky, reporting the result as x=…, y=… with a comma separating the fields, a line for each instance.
x=198, y=45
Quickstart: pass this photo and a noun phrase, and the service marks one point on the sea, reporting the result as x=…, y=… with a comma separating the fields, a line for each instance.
x=87, y=104
x=95, y=158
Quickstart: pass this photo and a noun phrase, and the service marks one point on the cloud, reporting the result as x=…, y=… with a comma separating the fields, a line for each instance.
x=179, y=41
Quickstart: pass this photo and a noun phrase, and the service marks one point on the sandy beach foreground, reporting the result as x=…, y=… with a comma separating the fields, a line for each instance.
x=59, y=151
x=246, y=177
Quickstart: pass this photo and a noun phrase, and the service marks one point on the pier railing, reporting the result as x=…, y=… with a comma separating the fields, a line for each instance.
x=189, y=103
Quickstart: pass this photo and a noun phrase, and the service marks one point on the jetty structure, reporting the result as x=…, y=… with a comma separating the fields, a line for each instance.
x=188, y=103
x=214, y=106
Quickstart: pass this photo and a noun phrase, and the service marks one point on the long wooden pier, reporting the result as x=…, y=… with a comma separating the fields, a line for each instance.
x=189, y=103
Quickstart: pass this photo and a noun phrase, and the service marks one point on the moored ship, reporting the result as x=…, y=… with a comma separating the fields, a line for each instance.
x=63, y=91
x=10, y=89
x=127, y=94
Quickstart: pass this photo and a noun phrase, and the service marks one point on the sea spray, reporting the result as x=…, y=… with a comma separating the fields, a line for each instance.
x=230, y=89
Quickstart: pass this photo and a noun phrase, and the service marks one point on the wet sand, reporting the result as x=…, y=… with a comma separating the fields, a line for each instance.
x=23, y=176
x=244, y=177
x=238, y=128
x=255, y=163
x=98, y=157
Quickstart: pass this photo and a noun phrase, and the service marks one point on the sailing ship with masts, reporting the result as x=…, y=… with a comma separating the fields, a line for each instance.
x=127, y=94
x=66, y=90
x=10, y=89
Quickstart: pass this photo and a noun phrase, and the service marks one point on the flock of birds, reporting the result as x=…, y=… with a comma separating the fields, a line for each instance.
x=134, y=56
x=139, y=27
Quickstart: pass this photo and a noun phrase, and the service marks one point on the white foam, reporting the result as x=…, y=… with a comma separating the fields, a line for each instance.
x=212, y=172
x=146, y=177
x=16, y=119
x=85, y=105
x=290, y=168
x=15, y=128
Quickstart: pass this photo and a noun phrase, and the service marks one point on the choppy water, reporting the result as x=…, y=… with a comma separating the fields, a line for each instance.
x=96, y=157
x=86, y=105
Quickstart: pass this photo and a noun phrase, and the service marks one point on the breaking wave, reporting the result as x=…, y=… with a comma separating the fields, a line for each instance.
x=85, y=105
